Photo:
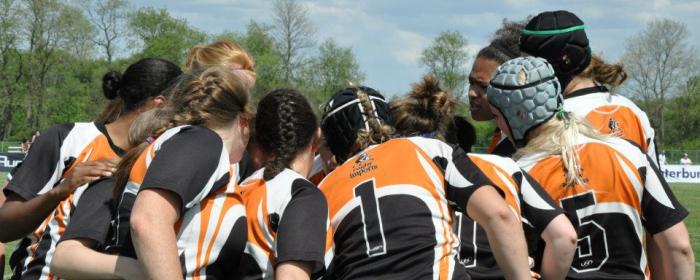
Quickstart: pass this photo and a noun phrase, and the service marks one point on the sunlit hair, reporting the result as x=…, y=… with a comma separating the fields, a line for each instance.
x=223, y=53
x=426, y=109
x=611, y=75
x=559, y=137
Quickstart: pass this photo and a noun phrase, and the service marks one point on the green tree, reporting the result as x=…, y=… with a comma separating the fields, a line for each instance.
x=11, y=64
x=162, y=35
x=658, y=60
x=683, y=112
x=330, y=71
x=446, y=58
x=294, y=33
x=109, y=17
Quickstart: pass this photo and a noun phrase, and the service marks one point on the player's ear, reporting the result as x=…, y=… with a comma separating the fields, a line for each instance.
x=316, y=140
x=159, y=101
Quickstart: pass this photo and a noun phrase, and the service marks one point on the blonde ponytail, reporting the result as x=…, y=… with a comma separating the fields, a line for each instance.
x=559, y=136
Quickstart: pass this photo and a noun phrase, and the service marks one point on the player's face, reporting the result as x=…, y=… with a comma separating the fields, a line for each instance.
x=501, y=121
x=482, y=71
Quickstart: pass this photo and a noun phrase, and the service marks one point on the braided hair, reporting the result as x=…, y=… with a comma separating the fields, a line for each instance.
x=505, y=43
x=212, y=98
x=286, y=126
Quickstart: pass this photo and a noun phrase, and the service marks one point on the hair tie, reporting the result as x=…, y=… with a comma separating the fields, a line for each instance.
x=150, y=140
x=564, y=116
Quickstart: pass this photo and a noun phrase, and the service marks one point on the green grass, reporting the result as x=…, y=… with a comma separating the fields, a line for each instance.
x=688, y=194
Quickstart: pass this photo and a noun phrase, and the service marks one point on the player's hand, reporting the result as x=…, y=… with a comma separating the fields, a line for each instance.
x=86, y=172
x=531, y=263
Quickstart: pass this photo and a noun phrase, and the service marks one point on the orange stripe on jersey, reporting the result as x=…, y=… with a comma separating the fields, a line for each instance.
x=494, y=141
x=549, y=172
x=490, y=170
x=254, y=193
x=98, y=149
x=446, y=222
x=207, y=209
x=620, y=120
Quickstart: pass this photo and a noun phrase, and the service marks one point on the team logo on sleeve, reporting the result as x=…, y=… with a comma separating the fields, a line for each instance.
x=614, y=126
x=363, y=164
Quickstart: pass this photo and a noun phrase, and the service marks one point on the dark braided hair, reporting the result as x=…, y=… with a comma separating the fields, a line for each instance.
x=505, y=43
x=286, y=125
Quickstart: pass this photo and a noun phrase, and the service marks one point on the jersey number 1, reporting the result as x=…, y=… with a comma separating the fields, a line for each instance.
x=371, y=219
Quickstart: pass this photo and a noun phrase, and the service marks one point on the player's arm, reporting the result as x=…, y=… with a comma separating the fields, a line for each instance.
x=175, y=178
x=293, y=270
x=503, y=230
x=18, y=217
x=75, y=259
x=677, y=255
x=663, y=220
x=153, y=218
x=560, y=238
x=301, y=237
x=27, y=205
x=553, y=226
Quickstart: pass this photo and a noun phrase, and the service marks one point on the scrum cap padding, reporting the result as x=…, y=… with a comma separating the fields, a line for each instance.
x=344, y=116
x=527, y=94
x=559, y=37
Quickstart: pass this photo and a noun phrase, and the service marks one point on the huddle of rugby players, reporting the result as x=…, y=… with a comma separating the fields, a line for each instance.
x=185, y=180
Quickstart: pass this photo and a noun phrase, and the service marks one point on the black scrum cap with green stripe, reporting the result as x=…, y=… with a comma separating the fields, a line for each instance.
x=558, y=37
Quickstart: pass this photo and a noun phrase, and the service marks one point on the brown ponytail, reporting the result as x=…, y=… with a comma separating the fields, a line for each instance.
x=427, y=108
x=611, y=75
x=212, y=98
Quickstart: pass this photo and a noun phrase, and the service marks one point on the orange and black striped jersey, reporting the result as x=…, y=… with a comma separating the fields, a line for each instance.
x=613, y=113
x=287, y=221
x=500, y=145
x=391, y=209
x=50, y=160
x=192, y=163
x=624, y=195
x=525, y=197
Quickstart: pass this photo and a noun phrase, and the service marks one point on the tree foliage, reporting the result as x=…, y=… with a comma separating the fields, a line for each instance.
x=161, y=35
x=659, y=61
x=447, y=59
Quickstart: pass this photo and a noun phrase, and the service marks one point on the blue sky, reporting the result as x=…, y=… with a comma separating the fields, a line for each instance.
x=387, y=36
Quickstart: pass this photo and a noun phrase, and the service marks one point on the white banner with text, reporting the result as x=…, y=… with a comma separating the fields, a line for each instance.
x=681, y=173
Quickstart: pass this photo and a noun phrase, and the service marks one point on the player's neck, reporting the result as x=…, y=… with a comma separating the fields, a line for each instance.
x=118, y=130
x=578, y=83
x=303, y=162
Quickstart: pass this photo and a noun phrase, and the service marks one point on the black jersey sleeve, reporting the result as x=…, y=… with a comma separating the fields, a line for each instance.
x=245, y=167
x=42, y=167
x=301, y=235
x=462, y=178
x=92, y=218
x=660, y=207
x=537, y=208
x=186, y=165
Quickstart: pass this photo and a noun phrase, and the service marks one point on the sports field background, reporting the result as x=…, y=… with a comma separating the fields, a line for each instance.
x=688, y=194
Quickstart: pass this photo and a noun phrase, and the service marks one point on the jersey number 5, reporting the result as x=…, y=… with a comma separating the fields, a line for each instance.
x=371, y=219
x=592, y=246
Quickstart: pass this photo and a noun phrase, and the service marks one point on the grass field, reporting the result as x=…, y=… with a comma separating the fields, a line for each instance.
x=688, y=194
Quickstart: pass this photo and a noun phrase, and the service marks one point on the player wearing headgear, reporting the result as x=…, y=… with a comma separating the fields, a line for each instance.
x=610, y=190
x=503, y=47
x=287, y=214
x=427, y=110
x=586, y=80
x=391, y=202
x=46, y=188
